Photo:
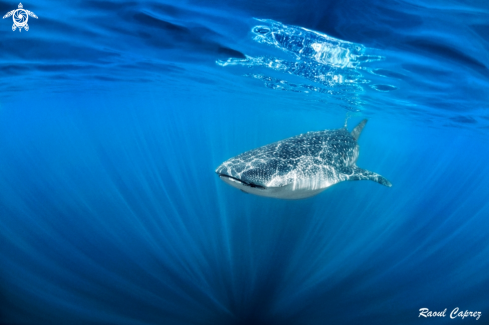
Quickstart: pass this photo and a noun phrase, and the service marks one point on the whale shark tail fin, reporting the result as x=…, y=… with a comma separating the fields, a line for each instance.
x=358, y=129
x=359, y=174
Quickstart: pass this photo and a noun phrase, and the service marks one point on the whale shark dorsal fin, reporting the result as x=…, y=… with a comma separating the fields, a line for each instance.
x=358, y=129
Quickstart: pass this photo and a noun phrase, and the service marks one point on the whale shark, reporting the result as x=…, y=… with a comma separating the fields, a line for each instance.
x=299, y=167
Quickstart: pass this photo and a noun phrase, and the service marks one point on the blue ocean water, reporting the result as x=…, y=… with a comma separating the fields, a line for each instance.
x=115, y=114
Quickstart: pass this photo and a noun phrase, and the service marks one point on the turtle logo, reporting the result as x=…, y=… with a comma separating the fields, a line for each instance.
x=20, y=17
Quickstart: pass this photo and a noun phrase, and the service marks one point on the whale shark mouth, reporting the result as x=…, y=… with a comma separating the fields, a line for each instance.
x=234, y=179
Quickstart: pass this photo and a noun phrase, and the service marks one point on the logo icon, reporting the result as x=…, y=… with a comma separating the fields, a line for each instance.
x=20, y=17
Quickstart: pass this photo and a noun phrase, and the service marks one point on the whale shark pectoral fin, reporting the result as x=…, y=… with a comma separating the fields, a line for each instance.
x=358, y=129
x=358, y=174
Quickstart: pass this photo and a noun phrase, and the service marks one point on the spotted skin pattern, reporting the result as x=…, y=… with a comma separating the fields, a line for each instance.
x=307, y=162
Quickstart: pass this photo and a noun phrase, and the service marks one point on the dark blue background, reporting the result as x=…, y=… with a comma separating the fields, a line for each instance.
x=114, y=115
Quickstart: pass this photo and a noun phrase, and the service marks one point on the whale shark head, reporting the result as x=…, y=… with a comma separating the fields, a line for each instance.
x=233, y=173
x=269, y=179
